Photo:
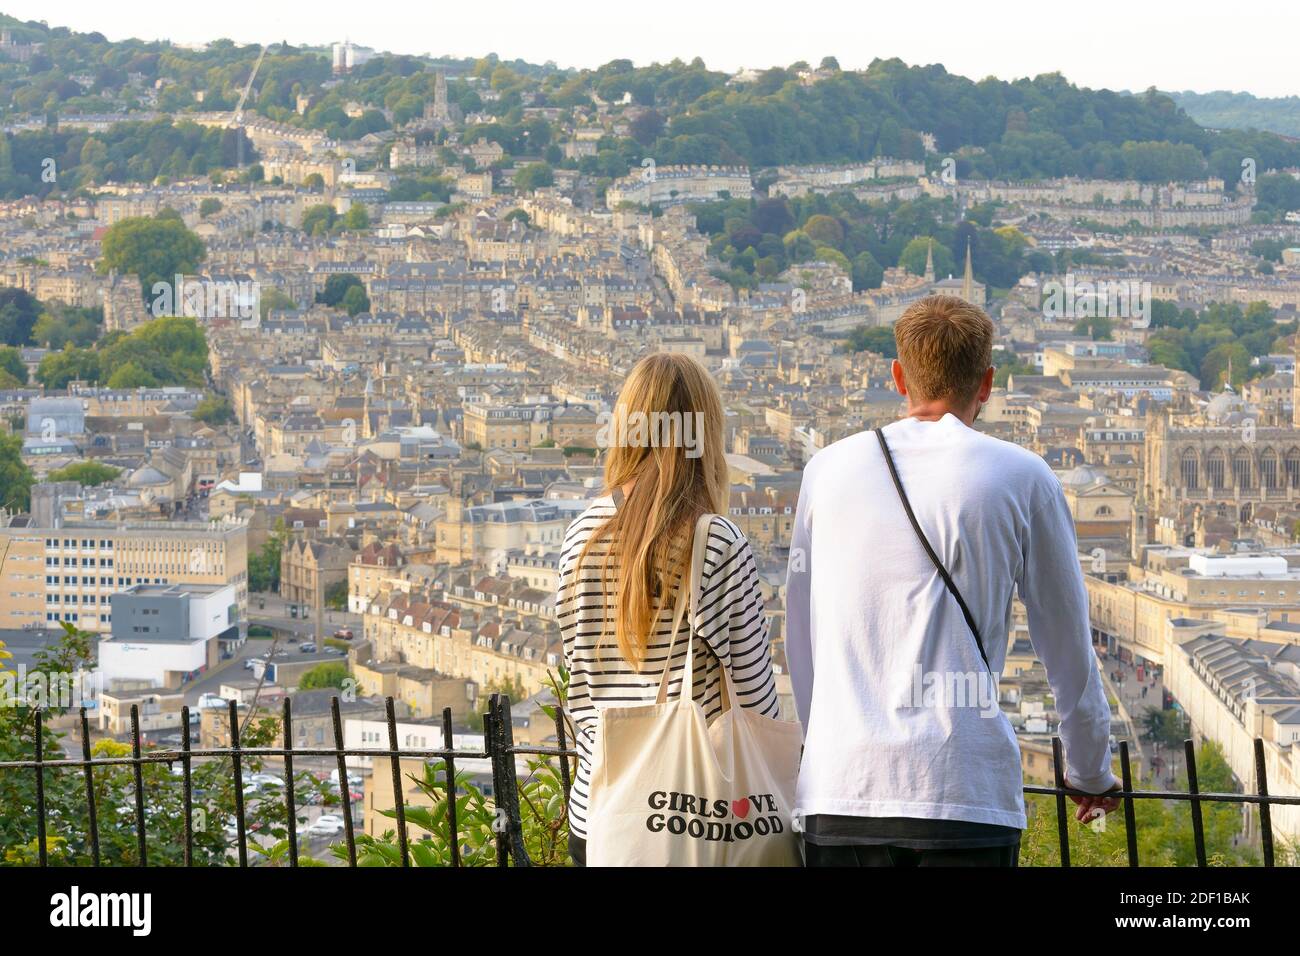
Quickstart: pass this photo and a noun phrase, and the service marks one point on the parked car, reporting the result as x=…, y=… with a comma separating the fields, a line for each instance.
x=307, y=647
x=264, y=780
x=344, y=633
x=327, y=824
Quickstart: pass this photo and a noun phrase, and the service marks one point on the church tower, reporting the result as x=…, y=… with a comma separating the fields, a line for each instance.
x=968, y=279
x=929, y=262
x=1295, y=389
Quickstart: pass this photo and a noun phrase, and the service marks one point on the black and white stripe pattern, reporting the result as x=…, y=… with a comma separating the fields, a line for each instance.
x=731, y=622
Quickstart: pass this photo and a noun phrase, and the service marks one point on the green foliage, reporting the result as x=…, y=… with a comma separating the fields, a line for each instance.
x=331, y=674
x=273, y=300
x=209, y=206
x=213, y=410
x=264, y=563
x=1224, y=110
x=156, y=250
x=337, y=286
x=1097, y=328
x=873, y=338
x=12, y=367
x=1203, y=342
x=319, y=219
x=356, y=218
x=542, y=809
x=355, y=301
x=214, y=785
x=1164, y=727
x=73, y=364
x=19, y=311
x=1164, y=830
x=336, y=596
x=168, y=351
x=534, y=176
x=87, y=473
x=63, y=325
x=127, y=152
x=15, y=477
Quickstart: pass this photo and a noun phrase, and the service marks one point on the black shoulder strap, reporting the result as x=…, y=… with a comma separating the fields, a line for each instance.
x=916, y=526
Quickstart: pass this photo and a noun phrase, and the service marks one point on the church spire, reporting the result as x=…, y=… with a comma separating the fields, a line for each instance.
x=929, y=262
x=968, y=279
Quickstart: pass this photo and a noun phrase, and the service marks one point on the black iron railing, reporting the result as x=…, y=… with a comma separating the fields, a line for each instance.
x=499, y=748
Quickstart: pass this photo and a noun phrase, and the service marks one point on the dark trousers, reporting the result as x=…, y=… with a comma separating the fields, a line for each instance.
x=578, y=850
x=881, y=855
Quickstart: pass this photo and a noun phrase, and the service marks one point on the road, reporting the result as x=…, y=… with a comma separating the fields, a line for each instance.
x=1157, y=765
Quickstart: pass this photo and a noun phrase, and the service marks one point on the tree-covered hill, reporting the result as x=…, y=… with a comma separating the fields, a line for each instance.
x=677, y=112
x=1224, y=110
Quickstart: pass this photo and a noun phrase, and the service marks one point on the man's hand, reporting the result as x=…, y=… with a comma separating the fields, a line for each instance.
x=1097, y=805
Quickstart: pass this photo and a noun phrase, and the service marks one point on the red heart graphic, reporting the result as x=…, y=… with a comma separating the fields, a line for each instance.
x=740, y=807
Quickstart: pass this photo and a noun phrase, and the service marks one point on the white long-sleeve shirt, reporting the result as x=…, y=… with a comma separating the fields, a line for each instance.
x=899, y=713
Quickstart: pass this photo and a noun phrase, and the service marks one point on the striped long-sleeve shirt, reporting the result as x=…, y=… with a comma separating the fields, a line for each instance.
x=730, y=622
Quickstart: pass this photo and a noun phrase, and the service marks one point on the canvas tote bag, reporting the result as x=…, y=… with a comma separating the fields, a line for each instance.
x=668, y=789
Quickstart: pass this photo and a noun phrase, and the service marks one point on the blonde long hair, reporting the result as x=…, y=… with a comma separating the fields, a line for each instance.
x=666, y=435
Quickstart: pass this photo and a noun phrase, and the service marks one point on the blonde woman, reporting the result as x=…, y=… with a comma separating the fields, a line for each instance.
x=625, y=556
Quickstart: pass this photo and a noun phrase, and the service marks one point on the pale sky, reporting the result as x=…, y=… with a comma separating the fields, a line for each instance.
x=1117, y=44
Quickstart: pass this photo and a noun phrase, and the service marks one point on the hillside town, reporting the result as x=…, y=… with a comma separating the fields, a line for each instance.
x=363, y=481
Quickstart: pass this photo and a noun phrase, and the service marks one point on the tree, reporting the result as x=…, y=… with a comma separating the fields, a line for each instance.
x=213, y=410
x=336, y=287
x=12, y=364
x=356, y=218
x=336, y=596
x=873, y=338
x=1098, y=328
x=534, y=176
x=86, y=473
x=331, y=674
x=15, y=477
x=18, y=314
x=57, y=369
x=264, y=564
x=914, y=254
x=274, y=300
x=867, y=272
x=647, y=126
x=157, y=250
x=209, y=206
x=61, y=325
x=131, y=375
x=355, y=301
x=824, y=230
x=319, y=219
x=168, y=351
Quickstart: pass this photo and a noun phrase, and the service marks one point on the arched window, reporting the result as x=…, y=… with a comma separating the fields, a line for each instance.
x=1103, y=511
x=1293, y=467
x=1189, y=470
x=1243, y=474
x=1268, y=470
x=1216, y=470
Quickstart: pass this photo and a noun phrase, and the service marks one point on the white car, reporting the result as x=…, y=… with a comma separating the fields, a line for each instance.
x=264, y=780
x=327, y=824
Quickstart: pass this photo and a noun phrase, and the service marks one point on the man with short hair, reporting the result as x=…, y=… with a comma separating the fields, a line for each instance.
x=893, y=651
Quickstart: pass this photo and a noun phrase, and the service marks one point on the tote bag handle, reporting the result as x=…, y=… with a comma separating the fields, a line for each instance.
x=699, y=544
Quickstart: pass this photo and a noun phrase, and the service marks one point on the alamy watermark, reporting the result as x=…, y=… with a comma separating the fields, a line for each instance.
x=953, y=689
x=208, y=299
x=635, y=429
x=1126, y=299
x=59, y=690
